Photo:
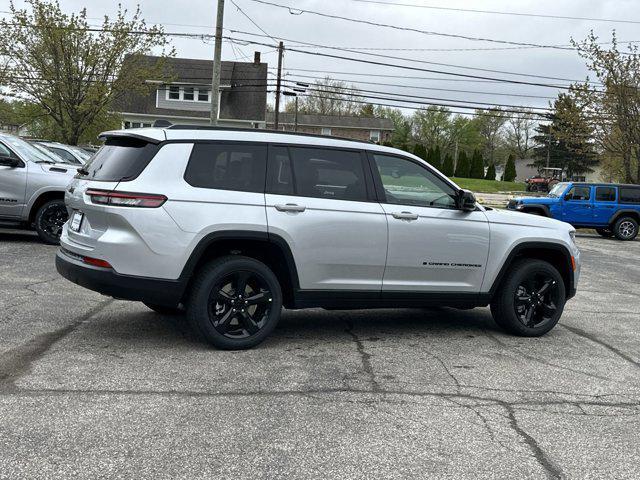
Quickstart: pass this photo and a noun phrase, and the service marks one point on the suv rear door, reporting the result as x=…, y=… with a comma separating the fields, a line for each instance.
x=320, y=200
x=604, y=204
x=433, y=246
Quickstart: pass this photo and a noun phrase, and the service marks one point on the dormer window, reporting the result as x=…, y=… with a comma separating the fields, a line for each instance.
x=188, y=94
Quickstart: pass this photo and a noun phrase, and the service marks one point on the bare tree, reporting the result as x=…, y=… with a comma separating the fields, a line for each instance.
x=520, y=130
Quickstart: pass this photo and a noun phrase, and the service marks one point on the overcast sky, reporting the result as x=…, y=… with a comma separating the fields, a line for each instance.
x=198, y=16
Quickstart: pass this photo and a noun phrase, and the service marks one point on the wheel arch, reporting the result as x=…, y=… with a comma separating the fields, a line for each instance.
x=537, y=207
x=270, y=249
x=554, y=253
x=40, y=200
x=624, y=213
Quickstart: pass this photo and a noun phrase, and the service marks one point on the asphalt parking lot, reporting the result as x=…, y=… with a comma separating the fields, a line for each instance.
x=92, y=387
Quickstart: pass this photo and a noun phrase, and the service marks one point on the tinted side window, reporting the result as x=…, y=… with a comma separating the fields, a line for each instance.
x=579, y=193
x=333, y=174
x=605, y=194
x=629, y=195
x=66, y=156
x=120, y=159
x=280, y=175
x=227, y=166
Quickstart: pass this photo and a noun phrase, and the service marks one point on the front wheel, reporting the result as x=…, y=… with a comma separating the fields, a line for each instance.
x=234, y=303
x=604, y=232
x=530, y=300
x=49, y=221
x=626, y=228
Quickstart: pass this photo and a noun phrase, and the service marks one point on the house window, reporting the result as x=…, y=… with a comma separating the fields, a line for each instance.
x=374, y=136
x=174, y=93
x=188, y=93
x=203, y=95
x=326, y=131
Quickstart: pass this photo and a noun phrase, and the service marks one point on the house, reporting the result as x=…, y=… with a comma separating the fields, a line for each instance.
x=372, y=129
x=186, y=98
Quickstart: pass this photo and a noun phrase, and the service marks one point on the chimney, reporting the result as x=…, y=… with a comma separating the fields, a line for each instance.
x=256, y=57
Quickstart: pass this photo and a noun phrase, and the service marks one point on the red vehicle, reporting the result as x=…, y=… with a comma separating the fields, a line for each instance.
x=546, y=181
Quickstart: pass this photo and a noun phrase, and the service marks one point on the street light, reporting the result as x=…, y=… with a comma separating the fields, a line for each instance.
x=299, y=88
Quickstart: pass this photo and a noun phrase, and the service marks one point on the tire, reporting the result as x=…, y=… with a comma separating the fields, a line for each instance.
x=49, y=220
x=604, y=232
x=162, y=310
x=228, y=316
x=626, y=228
x=519, y=294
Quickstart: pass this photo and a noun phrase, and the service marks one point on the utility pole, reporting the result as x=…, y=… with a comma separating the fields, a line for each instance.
x=548, y=147
x=295, y=124
x=276, y=119
x=217, y=62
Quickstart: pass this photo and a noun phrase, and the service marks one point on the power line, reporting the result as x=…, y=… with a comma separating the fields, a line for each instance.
x=504, y=72
x=300, y=11
x=252, y=21
x=496, y=12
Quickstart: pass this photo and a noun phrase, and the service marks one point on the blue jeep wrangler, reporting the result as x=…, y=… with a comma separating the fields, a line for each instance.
x=608, y=208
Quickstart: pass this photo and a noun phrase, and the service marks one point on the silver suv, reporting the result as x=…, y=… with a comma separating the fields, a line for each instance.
x=232, y=225
x=32, y=187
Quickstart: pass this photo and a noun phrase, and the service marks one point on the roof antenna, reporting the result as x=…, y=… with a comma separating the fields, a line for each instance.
x=162, y=123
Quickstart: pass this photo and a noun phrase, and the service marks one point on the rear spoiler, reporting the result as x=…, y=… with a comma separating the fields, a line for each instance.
x=151, y=135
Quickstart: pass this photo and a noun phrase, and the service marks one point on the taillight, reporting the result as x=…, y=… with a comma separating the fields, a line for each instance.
x=125, y=199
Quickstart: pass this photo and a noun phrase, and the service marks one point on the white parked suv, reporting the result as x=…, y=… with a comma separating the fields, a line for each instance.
x=232, y=225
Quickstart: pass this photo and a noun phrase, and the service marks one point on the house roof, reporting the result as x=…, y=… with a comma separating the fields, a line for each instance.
x=370, y=123
x=236, y=103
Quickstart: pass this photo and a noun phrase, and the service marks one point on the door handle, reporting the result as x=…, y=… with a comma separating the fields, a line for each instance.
x=291, y=207
x=405, y=215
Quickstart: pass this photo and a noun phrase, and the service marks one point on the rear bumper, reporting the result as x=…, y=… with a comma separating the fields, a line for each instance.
x=123, y=287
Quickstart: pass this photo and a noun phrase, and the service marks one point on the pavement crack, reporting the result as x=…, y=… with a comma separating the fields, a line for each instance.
x=552, y=470
x=364, y=356
x=16, y=362
x=602, y=343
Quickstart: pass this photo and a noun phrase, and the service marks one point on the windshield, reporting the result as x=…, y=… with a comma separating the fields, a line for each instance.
x=55, y=158
x=558, y=189
x=27, y=151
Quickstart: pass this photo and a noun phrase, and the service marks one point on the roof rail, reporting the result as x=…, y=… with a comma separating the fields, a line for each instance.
x=261, y=130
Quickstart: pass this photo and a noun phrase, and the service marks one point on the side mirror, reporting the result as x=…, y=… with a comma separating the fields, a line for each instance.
x=466, y=201
x=9, y=162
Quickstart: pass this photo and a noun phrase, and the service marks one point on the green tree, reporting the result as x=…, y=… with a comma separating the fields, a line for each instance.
x=419, y=150
x=463, y=167
x=510, y=169
x=477, y=165
x=437, y=158
x=447, y=165
x=491, y=172
x=71, y=74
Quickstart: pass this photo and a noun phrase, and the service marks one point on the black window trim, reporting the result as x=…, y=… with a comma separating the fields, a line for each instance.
x=627, y=187
x=226, y=142
x=380, y=193
x=368, y=179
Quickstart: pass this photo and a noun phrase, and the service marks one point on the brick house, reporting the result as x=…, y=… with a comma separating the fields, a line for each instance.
x=372, y=129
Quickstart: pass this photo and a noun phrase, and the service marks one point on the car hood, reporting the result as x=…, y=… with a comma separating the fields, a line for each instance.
x=508, y=217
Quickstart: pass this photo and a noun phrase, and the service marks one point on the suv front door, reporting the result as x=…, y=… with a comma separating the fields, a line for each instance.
x=321, y=202
x=13, y=185
x=433, y=246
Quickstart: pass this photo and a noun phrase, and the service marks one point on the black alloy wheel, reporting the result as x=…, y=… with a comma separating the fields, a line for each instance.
x=49, y=221
x=536, y=300
x=530, y=299
x=240, y=304
x=234, y=303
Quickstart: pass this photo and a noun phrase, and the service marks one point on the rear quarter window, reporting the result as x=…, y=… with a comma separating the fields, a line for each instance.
x=120, y=160
x=227, y=166
x=630, y=195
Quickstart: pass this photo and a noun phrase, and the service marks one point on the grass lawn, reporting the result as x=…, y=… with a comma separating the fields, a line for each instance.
x=489, y=186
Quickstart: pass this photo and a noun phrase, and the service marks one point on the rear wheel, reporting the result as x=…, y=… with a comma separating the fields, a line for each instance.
x=49, y=221
x=235, y=303
x=626, y=228
x=530, y=300
x=604, y=232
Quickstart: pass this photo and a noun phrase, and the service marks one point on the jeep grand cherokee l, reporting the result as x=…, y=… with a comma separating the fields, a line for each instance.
x=232, y=225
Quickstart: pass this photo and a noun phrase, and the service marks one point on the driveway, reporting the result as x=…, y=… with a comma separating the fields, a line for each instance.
x=94, y=387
